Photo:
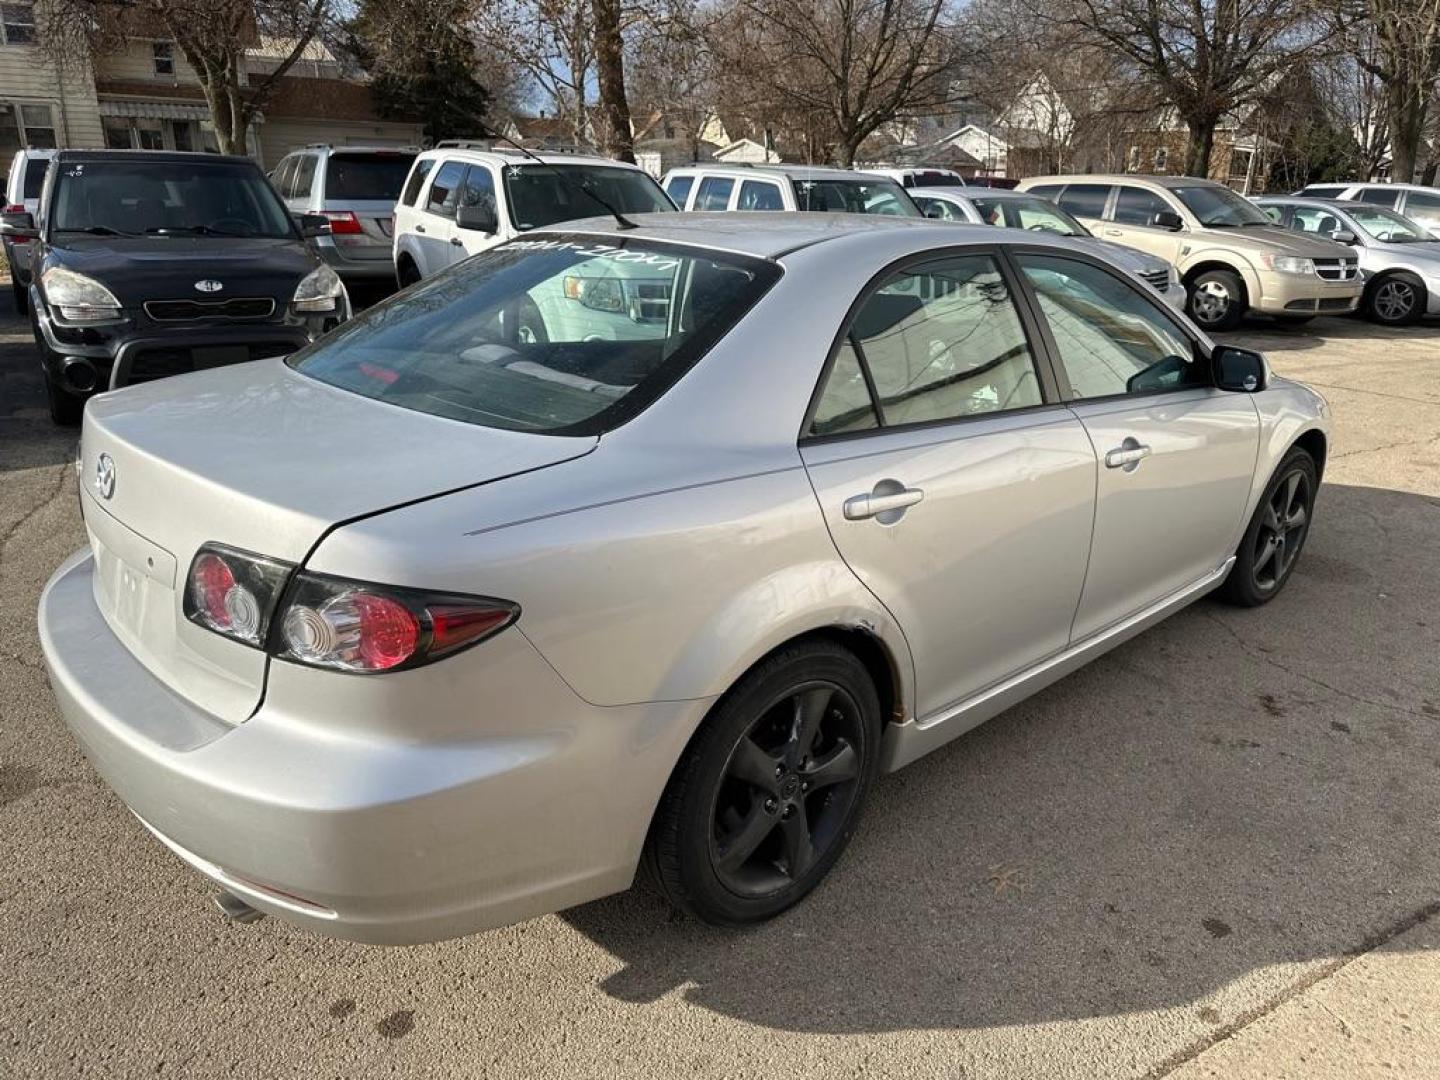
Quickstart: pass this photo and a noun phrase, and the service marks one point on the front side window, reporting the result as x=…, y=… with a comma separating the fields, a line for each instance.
x=1085, y=200
x=375, y=177
x=542, y=195
x=1275, y=213
x=1136, y=206
x=162, y=57
x=937, y=341
x=445, y=189
x=759, y=195
x=417, y=179
x=679, y=189
x=1111, y=339
x=17, y=24
x=558, y=335
x=1217, y=207
x=836, y=196
x=939, y=209
x=166, y=198
x=479, y=188
x=1039, y=214
x=1379, y=196
x=714, y=193
x=1316, y=221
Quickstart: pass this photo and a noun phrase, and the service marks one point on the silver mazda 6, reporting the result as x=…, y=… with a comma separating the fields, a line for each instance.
x=644, y=544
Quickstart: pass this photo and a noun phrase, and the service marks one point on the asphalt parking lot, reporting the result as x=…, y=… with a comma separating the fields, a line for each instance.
x=1143, y=871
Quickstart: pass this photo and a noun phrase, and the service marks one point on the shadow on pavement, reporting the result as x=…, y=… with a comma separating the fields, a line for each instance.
x=1232, y=790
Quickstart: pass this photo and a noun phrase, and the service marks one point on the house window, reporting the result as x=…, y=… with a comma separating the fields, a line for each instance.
x=163, y=57
x=117, y=134
x=17, y=24
x=38, y=127
x=1162, y=158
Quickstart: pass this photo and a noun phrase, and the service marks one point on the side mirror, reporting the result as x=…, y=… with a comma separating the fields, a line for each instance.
x=477, y=219
x=1167, y=219
x=19, y=226
x=1240, y=370
x=1344, y=236
x=313, y=225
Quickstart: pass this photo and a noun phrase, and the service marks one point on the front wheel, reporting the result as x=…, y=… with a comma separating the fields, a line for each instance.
x=767, y=795
x=1277, y=532
x=1217, y=300
x=1396, y=299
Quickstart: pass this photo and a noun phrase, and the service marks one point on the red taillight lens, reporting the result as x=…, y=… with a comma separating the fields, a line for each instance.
x=234, y=592
x=15, y=208
x=343, y=222
x=360, y=627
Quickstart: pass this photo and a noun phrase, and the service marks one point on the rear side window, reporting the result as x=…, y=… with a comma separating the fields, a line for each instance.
x=304, y=176
x=417, y=179
x=1379, y=196
x=284, y=176
x=1048, y=191
x=1423, y=207
x=1136, y=206
x=938, y=208
x=679, y=189
x=759, y=195
x=714, y=193
x=1085, y=200
x=35, y=176
x=361, y=177
x=556, y=335
x=444, y=188
x=1323, y=191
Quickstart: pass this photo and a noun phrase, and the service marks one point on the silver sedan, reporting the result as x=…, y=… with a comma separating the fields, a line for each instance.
x=643, y=544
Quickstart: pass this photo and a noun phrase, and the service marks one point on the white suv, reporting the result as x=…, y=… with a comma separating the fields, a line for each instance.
x=22, y=196
x=786, y=187
x=462, y=198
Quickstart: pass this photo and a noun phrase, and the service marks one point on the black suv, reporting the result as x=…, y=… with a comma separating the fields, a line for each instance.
x=149, y=263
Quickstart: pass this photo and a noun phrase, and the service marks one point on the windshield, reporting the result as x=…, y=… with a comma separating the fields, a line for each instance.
x=367, y=176
x=1385, y=225
x=541, y=195
x=554, y=335
x=853, y=197
x=1039, y=214
x=1220, y=208
x=165, y=198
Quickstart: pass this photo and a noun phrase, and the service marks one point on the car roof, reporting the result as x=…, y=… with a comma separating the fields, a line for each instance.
x=1125, y=178
x=500, y=155
x=783, y=171
x=65, y=156
x=765, y=234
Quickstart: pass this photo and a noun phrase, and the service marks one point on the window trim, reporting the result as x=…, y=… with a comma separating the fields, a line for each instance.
x=1052, y=350
x=156, y=59
x=1050, y=397
x=5, y=25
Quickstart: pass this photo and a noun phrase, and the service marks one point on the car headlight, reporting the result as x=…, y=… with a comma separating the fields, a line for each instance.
x=78, y=298
x=320, y=290
x=1288, y=264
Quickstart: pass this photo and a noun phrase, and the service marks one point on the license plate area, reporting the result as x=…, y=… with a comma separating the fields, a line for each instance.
x=212, y=356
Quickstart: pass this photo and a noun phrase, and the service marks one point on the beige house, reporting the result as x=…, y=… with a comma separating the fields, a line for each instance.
x=143, y=95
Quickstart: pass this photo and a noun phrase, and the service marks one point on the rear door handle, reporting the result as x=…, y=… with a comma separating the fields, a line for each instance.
x=885, y=499
x=1113, y=232
x=419, y=228
x=457, y=241
x=1127, y=455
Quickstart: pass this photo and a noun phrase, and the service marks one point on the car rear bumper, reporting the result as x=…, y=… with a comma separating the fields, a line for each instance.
x=366, y=835
x=1293, y=294
x=361, y=260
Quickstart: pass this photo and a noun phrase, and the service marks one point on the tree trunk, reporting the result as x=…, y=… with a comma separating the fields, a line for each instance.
x=610, y=74
x=1202, y=142
x=846, y=149
x=1407, y=124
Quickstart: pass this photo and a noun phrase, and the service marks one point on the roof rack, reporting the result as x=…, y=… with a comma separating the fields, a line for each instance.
x=463, y=144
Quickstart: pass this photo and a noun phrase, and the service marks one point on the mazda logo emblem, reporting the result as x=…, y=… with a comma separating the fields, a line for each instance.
x=105, y=476
x=209, y=285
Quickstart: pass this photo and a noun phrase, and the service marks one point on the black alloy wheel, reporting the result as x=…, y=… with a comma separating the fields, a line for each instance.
x=768, y=793
x=1277, y=533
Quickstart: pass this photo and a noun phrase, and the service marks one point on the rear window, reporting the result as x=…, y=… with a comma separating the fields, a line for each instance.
x=558, y=335
x=366, y=176
x=35, y=176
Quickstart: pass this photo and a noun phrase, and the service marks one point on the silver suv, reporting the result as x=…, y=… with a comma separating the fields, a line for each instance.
x=356, y=188
x=1414, y=201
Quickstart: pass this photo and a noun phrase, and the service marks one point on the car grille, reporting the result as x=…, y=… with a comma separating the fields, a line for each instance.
x=257, y=307
x=1338, y=269
x=161, y=361
x=1159, y=278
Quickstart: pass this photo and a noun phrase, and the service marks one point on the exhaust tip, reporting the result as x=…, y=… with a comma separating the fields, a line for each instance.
x=79, y=374
x=235, y=909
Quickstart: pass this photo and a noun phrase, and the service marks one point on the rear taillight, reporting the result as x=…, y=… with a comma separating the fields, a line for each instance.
x=15, y=208
x=332, y=622
x=343, y=222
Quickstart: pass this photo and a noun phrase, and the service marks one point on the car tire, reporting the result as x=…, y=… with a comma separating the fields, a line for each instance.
x=1295, y=321
x=66, y=409
x=1276, y=534
x=752, y=820
x=1397, y=299
x=407, y=273
x=1217, y=300
x=22, y=296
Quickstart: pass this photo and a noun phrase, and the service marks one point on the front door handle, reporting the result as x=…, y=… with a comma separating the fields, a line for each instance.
x=887, y=502
x=1113, y=232
x=419, y=227
x=1127, y=455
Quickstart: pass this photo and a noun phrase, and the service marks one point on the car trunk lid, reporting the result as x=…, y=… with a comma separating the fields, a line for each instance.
x=260, y=458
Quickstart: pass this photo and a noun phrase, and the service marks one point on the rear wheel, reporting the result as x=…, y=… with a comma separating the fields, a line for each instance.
x=1217, y=300
x=407, y=273
x=767, y=795
x=1276, y=535
x=1396, y=299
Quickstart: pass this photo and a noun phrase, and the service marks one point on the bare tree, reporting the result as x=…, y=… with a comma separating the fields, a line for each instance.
x=670, y=69
x=553, y=43
x=1398, y=41
x=1207, y=57
x=212, y=35
x=615, y=136
x=846, y=67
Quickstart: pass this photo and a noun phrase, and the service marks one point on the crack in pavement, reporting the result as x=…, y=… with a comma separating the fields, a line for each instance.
x=25, y=518
x=1373, y=393
x=1320, y=974
x=1387, y=446
x=1268, y=659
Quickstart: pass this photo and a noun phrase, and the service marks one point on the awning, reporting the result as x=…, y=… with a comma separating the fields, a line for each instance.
x=154, y=110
